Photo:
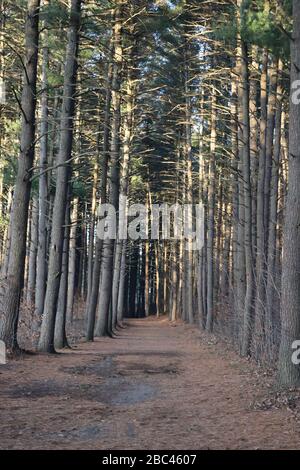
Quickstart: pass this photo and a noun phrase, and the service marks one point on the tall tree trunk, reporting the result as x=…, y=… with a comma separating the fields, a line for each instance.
x=247, y=327
x=165, y=277
x=12, y=285
x=272, y=240
x=289, y=372
x=236, y=281
x=91, y=305
x=201, y=296
x=147, y=264
x=273, y=72
x=173, y=286
x=72, y=260
x=254, y=81
x=241, y=258
x=125, y=164
x=2, y=120
x=189, y=314
x=121, y=292
x=92, y=228
x=32, y=252
x=41, y=267
x=46, y=341
x=260, y=241
x=60, y=337
x=157, y=278
x=104, y=327
x=211, y=215
x=225, y=274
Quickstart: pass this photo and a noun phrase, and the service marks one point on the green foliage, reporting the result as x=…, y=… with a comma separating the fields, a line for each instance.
x=262, y=25
x=79, y=189
x=55, y=14
x=137, y=184
x=54, y=79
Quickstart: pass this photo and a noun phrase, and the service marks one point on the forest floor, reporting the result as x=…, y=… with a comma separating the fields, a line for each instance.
x=156, y=386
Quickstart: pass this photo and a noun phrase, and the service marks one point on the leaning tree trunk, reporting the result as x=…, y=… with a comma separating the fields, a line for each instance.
x=289, y=372
x=11, y=286
x=46, y=341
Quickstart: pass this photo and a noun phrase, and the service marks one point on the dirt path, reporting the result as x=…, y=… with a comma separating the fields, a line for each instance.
x=155, y=387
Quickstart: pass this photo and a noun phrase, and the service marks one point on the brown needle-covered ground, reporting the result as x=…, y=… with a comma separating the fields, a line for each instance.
x=156, y=386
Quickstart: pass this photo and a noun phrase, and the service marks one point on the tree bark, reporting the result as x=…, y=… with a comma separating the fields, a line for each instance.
x=32, y=252
x=272, y=239
x=188, y=253
x=211, y=216
x=247, y=326
x=289, y=373
x=41, y=267
x=72, y=260
x=260, y=241
x=46, y=340
x=121, y=292
x=125, y=165
x=60, y=337
x=104, y=327
x=12, y=285
x=95, y=282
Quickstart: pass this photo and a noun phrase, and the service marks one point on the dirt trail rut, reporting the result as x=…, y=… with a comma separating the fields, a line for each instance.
x=154, y=387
